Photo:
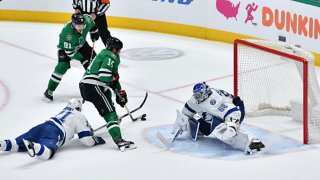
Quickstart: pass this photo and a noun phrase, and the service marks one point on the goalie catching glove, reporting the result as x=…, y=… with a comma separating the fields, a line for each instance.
x=121, y=98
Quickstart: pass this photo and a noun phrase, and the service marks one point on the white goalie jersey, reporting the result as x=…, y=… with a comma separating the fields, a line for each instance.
x=218, y=104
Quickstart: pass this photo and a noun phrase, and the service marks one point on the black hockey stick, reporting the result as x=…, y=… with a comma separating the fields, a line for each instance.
x=130, y=112
x=142, y=117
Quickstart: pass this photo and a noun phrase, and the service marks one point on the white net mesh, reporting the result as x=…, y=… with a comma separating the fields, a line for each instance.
x=272, y=84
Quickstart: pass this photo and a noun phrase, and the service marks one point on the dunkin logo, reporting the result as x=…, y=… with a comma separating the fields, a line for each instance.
x=291, y=22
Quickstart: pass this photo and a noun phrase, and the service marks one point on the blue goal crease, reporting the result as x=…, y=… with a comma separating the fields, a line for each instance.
x=210, y=147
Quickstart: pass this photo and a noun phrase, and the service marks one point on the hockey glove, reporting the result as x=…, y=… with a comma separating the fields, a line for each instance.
x=62, y=56
x=94, y=34
x=121, y=98
x=98, y=140
x=237, y=101
x=200, y=116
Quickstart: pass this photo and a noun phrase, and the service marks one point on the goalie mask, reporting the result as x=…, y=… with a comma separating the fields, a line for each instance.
x=201, y=92
x=74, y=104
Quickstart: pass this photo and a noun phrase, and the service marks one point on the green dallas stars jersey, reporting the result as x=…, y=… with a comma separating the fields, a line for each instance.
x=101, y=70
x=71, y=41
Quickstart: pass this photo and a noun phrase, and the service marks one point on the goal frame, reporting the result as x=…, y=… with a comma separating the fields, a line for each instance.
x=283, y=54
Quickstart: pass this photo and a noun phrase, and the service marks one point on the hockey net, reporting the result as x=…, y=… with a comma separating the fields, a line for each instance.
x=274, y=78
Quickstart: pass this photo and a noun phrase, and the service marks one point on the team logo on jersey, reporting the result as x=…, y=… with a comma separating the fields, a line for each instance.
x=69, y=37
x=213, y=101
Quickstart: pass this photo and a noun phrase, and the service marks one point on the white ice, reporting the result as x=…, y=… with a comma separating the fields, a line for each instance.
x=28, y=57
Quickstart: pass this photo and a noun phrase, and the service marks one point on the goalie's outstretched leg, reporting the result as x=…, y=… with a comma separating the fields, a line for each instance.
x=245, y=142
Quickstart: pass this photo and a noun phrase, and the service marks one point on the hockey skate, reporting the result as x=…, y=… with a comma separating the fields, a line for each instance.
x=47, y=96
x=30, y=148
x=124, y=145
x=255, y=146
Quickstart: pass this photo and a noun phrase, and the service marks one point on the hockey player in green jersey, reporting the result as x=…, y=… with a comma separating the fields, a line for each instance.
x=101, y=76
x=72, y=45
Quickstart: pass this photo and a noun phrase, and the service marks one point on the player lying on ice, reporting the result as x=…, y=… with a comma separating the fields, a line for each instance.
x=214, y=111
x=44, y=139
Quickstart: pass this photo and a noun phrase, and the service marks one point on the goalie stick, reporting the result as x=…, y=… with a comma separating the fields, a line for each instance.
x=168, y=142
x=141, y=117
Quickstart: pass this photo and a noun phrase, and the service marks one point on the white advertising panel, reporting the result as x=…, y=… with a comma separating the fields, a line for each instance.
x=299, y=23
x=38, y=5
x=189, y=12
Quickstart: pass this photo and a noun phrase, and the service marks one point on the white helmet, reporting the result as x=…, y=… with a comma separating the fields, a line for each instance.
x=74, y=104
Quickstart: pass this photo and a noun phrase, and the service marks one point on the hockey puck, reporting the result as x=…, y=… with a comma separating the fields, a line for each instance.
x=143, y=117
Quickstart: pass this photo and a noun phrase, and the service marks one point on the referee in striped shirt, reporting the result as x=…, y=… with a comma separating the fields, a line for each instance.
x=96, y=9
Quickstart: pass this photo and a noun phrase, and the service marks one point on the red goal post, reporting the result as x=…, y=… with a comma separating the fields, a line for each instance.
x=275, y=78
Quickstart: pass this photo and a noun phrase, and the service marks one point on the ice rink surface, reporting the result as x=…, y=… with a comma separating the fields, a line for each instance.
x=28, y=57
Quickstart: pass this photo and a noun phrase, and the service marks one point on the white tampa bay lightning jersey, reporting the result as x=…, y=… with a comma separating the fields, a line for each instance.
x=72, y=122
x=218, y=104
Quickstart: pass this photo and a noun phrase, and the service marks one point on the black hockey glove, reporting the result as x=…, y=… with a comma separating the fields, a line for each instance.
x=94, y=34
x=237, y=101
x=98, y=140
x=121, y=98
x=62, y=56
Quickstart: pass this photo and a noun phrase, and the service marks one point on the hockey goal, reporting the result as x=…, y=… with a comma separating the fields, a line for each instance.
x=275, y=78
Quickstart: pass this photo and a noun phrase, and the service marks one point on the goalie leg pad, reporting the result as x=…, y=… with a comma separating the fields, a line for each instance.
x=180, y=123
x=245, y=142
x=193, y=128
x=225, y=131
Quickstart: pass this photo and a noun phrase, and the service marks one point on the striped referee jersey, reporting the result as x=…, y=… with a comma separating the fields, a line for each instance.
x=92, y=6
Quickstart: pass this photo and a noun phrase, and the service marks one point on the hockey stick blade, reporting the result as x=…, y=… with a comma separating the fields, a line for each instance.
x=164, y=141
x=168, y=142
x=136, y=109
x=142, y=117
